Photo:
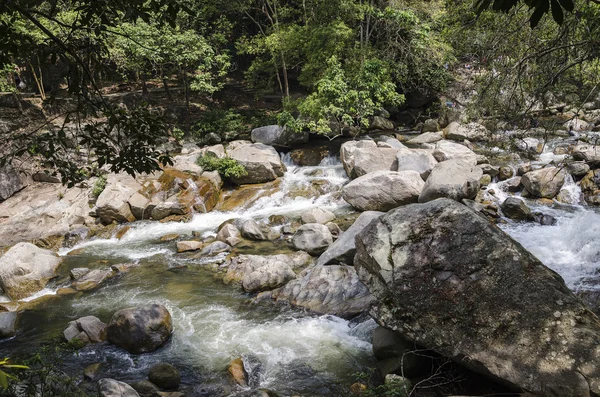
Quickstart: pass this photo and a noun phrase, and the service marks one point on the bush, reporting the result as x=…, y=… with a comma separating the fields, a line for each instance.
x=219, y=121
x=226, y=167
x=99, y=186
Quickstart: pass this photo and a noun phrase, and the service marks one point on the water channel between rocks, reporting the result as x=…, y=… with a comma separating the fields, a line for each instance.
x=301, y=353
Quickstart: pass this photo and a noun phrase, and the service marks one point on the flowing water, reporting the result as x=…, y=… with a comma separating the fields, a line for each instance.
x=300, y=353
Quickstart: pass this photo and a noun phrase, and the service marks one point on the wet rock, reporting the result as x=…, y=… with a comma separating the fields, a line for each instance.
x=185, y=246
x=544, y=219
x=587, y=153
x=165, y=376
x=397, y=355
x=92, y=280
x=229, y=234
x=455, y=179
x=275, y=135
x=26, y=269
x=309, y=156
x=252, y=230
x=113, y=388
x=169, y=237
x=578, y=168
x=530, y=145
x=8, y=324
x=383, y=190
x=524, y=168
x=84, y=331
x=465, y=280
x=140, y=329
x=145, y=388
x=488, y=169
x=262, y=162
x=544, y=183
x=343, y=249
x=513, y=184
x=237, y=372
x=485, y=180
x=446, y=150
x=313, y=238
x=171, y=206
x=214, y=248
x=113, y=202
x=91, y=371
x=317, y=215
x=254, y=369
x=330, y=289
x=515, y=208
x=427, y=137
x=505, y=173
x=419, y=160
x=78, y=272
x=471, y=132
x=10, y=183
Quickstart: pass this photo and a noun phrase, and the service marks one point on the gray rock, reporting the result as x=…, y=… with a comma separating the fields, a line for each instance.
x=313, y=238
x=455, y=179
x=268, y=277
x=427, y=137
x=8, y=324
x=92, y=280
x=331, y=289
x=343, y=249
x=505, y=173
x=446, y=278
x=317, y=215
x=165, y=376
x=397, y=355
x=588, y=153
x=215, y=247
x=347, y=151
x=529, y=144
x=380, y=123
x=10, y=183
x=276, y=135
x=138, y=204
x=368, y=160
x=84, y=331
x=515, y=208
x=446, y=150
x=113, y=388
x=578, y=168
x=252, y=230
x=45, y=177
x=419, y=160
x=430, y=125
x=471, y=132
x=140, y=329
x=228, y=232
x=145, y=388
x=78, y=272
x=26, y=269
x=383, y=190
x=171, y=206
x=545, y=183
x=262, y=162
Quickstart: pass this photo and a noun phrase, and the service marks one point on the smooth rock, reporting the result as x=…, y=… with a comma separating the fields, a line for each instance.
x=140, y=329
x=113, y=388
x=185, y=246
x=370, y=159
x=347, y=151
x=215, y=247
x=93, y=279
x=419, y=160
x=471, y=132
x=317, y=215
x=113, y=202
x=455, y=179
x=446, y=150
x=8, y=324
x=228, y=232
x=165, y=376
x=515, y=208
x=26, y=269
x=383, y=190
x=313, y=238
x=252, y=230
x=243, y=267
x=262, y=162
x=545, y=182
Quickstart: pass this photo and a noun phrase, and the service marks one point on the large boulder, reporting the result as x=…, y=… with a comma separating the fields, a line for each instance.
x=545, y=182
x=262, y=162
x=471, y=131
x=383, y=190
x=446, y=150
x=419, y=160
x=26, y=269
x=113, y=388
x=347, y=151
x=455, y=179
x=10, y=183
x=313, y=238
x=343, y=249
x=113, y=202
x=449, y=280
x=588, y=153
x=140, y=329
x=426, y=137
x=331, y=289
x=275, y=135
x=368, y=160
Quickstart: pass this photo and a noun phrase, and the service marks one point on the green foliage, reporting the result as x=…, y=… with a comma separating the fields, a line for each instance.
x=401, y=387
x=42, y=376
x=99, y=186
x=177, y=133
x=6, y=78
x=226, y=167
x=346, y=99
x=219, y=121
x=540, y=8
x=4, y=377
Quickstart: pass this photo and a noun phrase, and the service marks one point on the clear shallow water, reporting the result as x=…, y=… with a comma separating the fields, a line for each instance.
x=300, y=353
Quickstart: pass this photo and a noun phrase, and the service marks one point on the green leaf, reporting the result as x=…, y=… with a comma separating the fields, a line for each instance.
x=568, y=5
x=557, y=12
x=3, y=380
